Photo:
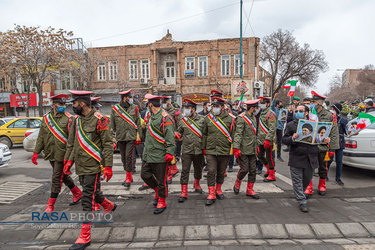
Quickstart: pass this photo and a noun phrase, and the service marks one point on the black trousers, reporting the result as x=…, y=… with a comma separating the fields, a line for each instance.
x=279, y=136
x=58, y=178
x=301, y=178
x=216, y=165
x=265, y=156
x=91, y=191
x=322, y=170
x=127, y=154
x=248, y=166
x=155, y=175
x=197, y=161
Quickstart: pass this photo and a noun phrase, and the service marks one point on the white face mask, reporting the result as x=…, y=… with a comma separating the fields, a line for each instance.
x=216, y=110
x=333, y=112
x=209, y=108
x=256, y=112
x=187, y=112
x=164, y=105
x=131, y=101
x=262, y=106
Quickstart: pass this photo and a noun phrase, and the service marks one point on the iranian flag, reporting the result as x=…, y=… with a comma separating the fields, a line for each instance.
x=292, y=87
x=365, y=120
x=313, y=116
x=290, y=84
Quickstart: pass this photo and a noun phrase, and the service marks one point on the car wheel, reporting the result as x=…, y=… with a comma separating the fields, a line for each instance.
x=5, y=140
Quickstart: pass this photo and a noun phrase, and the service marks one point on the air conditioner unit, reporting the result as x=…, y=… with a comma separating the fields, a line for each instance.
x=258, y=85
x=144, y=81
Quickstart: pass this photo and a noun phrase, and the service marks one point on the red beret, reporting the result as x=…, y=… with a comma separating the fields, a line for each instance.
x=188, y=102
x=218, y=100
x=252, y=102
x=152, y=97
x=216, y=93
x=95, y=99
x=126, y=92
x=264, y=98
x=80, y=92
x=60, y=96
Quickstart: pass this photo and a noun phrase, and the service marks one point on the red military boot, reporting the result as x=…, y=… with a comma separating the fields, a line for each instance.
x=108, y=206
x=174, y=170
x=271, y=176
x=309, y=190
x=77, y=195
x=219, y=193
x=184, y=193
x=237, y=186
x=211, y=198
x=128, y=180
x=50, y=206
x=197, y=186
x=161, y=206
x=250, y=191
x=268, y=172
x=156, y=199
x=84, y=239
x=322, y=187
x=96, y=206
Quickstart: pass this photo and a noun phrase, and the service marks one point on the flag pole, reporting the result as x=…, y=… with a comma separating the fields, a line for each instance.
x=241, y=62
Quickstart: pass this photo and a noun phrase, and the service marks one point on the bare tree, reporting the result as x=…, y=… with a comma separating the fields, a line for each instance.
x=339, y=92
x=366, y=79
x=285, y=59
x=36, y=54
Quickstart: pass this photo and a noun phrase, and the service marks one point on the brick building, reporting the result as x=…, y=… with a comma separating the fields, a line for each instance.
x=178, y=68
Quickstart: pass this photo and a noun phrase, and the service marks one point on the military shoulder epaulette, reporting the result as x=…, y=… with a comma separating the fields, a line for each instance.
x=242, y=114
x=230, y=114
x=68, y=114
x=164, y=113
x=98, y=115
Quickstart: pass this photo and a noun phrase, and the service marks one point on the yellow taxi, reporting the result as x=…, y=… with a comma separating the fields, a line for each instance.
x=13, y=132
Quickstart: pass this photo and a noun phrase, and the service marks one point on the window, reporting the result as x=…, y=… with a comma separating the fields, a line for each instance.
x=189, y=63
x=202, y=64
x=145, y=69
x=34, y=123
x=237, y=64
x=225, y=65
x=112, y=70
x=101, y=72
x=22, y=123
x=170, y=69
x=133, y=70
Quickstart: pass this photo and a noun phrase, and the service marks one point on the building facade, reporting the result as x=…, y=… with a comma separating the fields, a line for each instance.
x=178, y=68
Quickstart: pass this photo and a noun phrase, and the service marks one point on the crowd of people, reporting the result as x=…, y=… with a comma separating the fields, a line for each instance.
x=162, y=134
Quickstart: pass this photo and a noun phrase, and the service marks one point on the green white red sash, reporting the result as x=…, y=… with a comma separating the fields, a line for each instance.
x=124, y=115
x=220, y=125
x=263, y=125
x=55, y=128
x=86, y=143
x=250, y=123
x=193, y=126
x=155, y=133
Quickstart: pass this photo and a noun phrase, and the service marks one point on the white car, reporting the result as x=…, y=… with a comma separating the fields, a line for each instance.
x=5, y=155
x=359, y=150
x=29, y=141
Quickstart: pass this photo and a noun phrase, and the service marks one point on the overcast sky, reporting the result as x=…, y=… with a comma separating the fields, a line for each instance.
x=343, y=29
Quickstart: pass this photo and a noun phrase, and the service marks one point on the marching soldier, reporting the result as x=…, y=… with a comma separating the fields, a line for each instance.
x=245, y=147
x=126, y=125
x=266, y=135
x=175, y=114
x=218, y=130
x=95, y=102
x=52, y=139
x=329, y=144
x=89, y=147
x=158, y=152
x=190, y=128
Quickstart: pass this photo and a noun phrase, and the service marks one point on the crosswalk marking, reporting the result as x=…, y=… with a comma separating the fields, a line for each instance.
x=10, y=191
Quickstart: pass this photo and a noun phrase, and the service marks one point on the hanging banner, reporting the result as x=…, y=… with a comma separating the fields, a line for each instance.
x=238, y=87
x=16, y=101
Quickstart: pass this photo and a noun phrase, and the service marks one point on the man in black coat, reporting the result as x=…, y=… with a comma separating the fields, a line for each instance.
x=303, y=158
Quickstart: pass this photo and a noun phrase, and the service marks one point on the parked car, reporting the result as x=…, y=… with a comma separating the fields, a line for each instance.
x=5, y=155
x=13, y=132
x=29, y=141
x=359, y=150
x=6, y=120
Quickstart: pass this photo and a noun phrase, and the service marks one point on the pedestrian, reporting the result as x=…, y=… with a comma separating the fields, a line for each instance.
x=217, y=133
x=276, y=106
x=126, y=124
x=339, y=153
x=52, y=140
x=190, y=129
x=330, y=144
x=296, y=101
x=265, y=135
x=303, y=158
x=307, y=101
x=245, y=147
x=369, y=105
x=90, y=146
x=206, y=108
x=158, y=152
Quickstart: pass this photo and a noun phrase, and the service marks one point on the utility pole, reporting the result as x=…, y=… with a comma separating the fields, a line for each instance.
x=241, y=62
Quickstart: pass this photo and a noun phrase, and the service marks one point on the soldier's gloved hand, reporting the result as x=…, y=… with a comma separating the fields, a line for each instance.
x=331, y=154
x=267, y=144
x=137, y=142
x=168, y=158
x=237, y=153
x=204, y=151
x=67, y=167
x=107, y=173
x=177, y=135
x=65, y=161
x=34, y=158
x=114, y=145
